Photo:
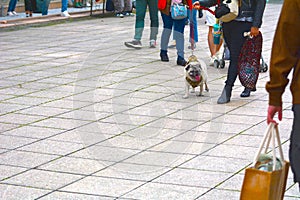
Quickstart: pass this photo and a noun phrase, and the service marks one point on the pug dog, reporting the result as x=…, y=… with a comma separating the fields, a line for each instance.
x=195, y=75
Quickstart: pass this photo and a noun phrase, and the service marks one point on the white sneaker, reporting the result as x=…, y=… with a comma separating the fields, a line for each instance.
x=65, y=14
x=10, y=14
x=212, y=60
x=152, y=43
x=119, y=15
x=15, y=13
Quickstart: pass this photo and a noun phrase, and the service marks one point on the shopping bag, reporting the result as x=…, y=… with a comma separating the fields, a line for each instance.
x=249, y=61
x=266, y=185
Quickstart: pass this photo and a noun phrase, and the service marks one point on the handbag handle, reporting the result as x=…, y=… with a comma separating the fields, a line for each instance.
x=270, y=134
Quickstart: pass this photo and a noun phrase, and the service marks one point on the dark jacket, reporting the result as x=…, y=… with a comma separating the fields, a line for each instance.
x=252, y=10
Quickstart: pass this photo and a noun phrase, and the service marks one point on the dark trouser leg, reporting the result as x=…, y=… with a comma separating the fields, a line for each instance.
x=234, y=38
x=154, y=22
x=141, y=7
x=294, y=151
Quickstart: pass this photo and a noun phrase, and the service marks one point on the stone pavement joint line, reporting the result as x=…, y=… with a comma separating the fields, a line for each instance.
x=84, y=117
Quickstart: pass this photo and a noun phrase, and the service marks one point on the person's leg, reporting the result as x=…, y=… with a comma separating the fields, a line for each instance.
x=153, y=11
x=141, y=7
x=165, y=36
x=12, y=5
x=118, y=6
x=294, y=150
x=179, y=37
x=127, y=6
x=45, y=6
x=234, y=38
x=64, y=5
x=210, y=40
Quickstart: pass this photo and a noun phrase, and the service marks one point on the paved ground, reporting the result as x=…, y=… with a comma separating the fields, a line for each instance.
x=83, y=117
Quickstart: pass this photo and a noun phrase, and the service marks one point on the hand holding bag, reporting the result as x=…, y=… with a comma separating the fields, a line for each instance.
x=266, y=185
x=178, y=11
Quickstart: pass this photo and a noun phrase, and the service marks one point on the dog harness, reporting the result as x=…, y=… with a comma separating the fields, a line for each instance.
x=193, y=83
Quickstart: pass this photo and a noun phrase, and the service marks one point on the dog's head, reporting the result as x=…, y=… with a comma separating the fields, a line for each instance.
x=193, y=69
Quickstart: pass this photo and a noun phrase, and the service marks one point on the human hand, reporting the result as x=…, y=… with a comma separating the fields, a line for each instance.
x=254, y=31
x=272, y=110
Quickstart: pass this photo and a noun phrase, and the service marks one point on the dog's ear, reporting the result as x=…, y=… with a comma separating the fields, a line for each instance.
x=187, y=68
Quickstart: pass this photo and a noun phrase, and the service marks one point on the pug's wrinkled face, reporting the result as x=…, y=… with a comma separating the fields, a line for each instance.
x=193, y=71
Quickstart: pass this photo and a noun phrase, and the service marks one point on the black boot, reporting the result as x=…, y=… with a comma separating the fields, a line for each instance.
x=164, y=56
x=225, y=96
x=246, y=92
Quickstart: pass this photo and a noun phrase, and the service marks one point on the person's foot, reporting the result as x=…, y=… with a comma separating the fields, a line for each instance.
x=152, y=43
x=130, y=14
x=136, y=44
x=246, y=92
x=119, y=15
x=212, y=60
x=65, y=14
x=10, y=14
x=225, y=96
x=15, y=13
x=164, y=57
x=181, y=61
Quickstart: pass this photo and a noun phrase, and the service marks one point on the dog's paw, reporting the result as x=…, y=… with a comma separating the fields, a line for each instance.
x=185, y=96
x=206, y=89
x=200, y=95
x=193, y=90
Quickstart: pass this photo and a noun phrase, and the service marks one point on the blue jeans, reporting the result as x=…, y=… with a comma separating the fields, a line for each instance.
x=64, y=5
x=45, y=6
x=12, y=5
x=178, y=33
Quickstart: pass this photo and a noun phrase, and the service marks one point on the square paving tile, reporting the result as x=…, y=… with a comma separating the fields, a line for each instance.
x=132, y=171
x=8, y=171
x=102, y=186
x=12, y=192
x=25, y=159
x=53, y=147
x=32, y=132
x=74, y=165
x=165, y=191
x=74, y=196
x=12, y=142
x=42, y=179
x=190, y=177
